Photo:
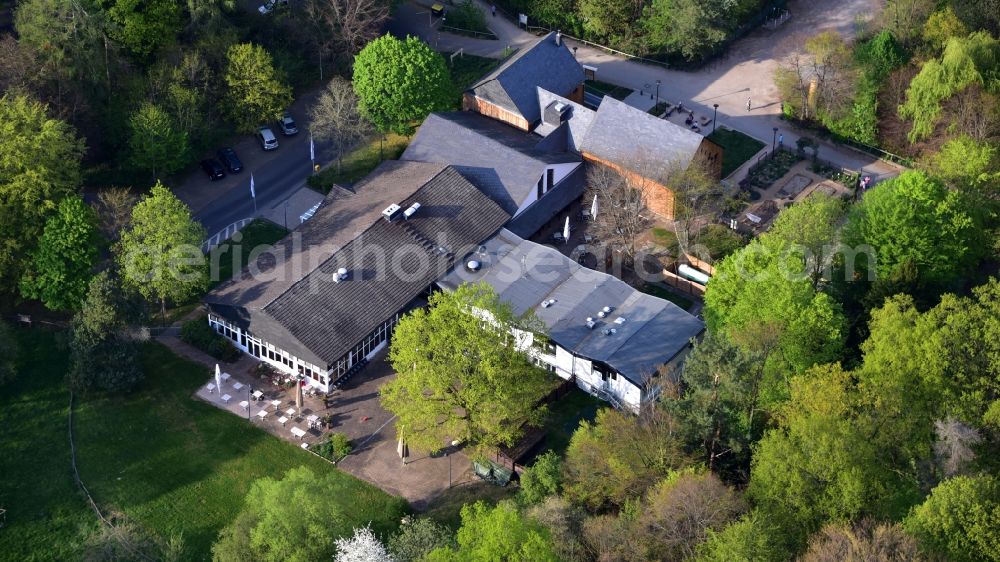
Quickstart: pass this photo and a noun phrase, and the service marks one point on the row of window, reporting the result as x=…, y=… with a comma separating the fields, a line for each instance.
x=545, y=182
x=263, y=350
x=364, y=348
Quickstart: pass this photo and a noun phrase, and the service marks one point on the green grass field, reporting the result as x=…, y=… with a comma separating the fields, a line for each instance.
x=360, y=162
x=737, y=148
x=169, y=462
x=260, y=232
x=666, y=294
x=608, y=89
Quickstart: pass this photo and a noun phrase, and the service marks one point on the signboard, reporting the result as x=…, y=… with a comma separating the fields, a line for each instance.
x=522, y=19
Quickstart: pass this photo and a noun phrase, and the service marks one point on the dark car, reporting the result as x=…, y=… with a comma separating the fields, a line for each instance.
x=229, y=159
x=213, y=168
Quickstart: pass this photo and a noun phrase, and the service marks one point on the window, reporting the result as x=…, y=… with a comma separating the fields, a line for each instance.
x=540, y=188
x=550, y=178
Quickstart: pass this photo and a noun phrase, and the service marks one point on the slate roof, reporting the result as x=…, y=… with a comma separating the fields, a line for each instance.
x=620, y=133
x=503, y=161
x=526, y=274
x=576, y=125
x=389, y=264
x=512, y=84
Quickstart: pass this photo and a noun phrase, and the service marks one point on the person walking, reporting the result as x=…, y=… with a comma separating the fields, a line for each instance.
x=493, y=9
x=748, y=104
x=781, y=140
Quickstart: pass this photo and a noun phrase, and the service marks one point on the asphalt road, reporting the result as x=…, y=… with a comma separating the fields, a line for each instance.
x=277, y=174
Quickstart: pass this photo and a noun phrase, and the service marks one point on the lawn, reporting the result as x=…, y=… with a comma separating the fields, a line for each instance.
x=565, y=415
x=447, y=508
x=666, y=294
x=360, y=162
x=223, y=258
x=467, y=69
x=607, y=89
x=169, y=462
x=737, y=148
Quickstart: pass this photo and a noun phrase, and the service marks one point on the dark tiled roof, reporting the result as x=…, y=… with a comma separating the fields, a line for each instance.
x=504, y=161
x=389, y=264
x=626, y=136
x=649, y=331
x=512, y=84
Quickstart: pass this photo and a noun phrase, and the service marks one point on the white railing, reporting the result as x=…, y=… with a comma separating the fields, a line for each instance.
x=224, y=234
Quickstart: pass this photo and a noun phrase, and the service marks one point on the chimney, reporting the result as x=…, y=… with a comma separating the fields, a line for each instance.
x=558, y=37
x=340, y=275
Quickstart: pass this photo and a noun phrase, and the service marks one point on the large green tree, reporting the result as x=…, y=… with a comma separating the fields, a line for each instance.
x=63, y=263
x=399, y=82
x=495, y=534
x=811, y=227
x=160, y=254
x=753, y=538
x=693, y=28
x=155, y=143
x=960, y=520
x=295, y=519
x=144, y=26
x=914, y=219
x=965, y=163
x=256, y=93
x=460, y=377
x=39, y=166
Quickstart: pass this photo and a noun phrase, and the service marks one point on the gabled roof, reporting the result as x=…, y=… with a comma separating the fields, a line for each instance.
x=389, y=264
x=504, y=161
x=574, y=128
x=512, y=84
x=621, y=134
x=649, y=331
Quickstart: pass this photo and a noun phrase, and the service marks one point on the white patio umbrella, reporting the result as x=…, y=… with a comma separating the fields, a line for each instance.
x=298, y=396
x=593, y=208
x=566, y=231
x=218, y=378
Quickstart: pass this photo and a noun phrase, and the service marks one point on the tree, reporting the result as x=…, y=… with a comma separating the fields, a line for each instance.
x=364, y=546
x=295, y=519
x=103, y=345
x=462, y=378
x=9, y=352
x=693, y=28
x=680, y=510
x=820, y=81
x=614, y=22
x=621, y=208
x=400, y=82
x=905, y=18
x=619, y=456
x=968, y=164
x=343, y=26
x=417, y=537
x=966, y=61
x=160, y=253
x=564, y=523
x=823, y=463
x=497, y=534
x=914, y=219
x=868, y=541
x=542, y=479
x=114, y=209
x=715, y=407
x=39, y=165
x=954, y=449
x=810, y=226
x=960, y=520
x=941, y=26
x=144, y=26
x=155, y=143
x=61, y=266
x=336, y=118
x=256, y=92
x=696, y=195
x=753, y=538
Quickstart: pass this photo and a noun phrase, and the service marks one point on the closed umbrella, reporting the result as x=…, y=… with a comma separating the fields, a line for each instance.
x=298, y=396
x=218, y=378
x=593, y=208
x=566, y=231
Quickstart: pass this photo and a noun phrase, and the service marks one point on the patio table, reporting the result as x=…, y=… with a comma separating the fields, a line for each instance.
x=290, y=412
x=257, y=395
x=211, y=387
x=244, y=404
x=225, y=376
x=282, y=420
x=237, y=385
x=262, y=414
x=225, y=398
x=298, y=432
x=276, y=403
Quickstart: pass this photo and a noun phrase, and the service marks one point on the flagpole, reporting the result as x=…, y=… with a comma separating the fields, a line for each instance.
x=253, y=194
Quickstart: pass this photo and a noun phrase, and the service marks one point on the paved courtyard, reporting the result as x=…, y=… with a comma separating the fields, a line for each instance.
x=353, y=410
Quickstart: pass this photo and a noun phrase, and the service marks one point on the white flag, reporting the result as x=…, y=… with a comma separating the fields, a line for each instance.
x=312, y=149
x=252, y=194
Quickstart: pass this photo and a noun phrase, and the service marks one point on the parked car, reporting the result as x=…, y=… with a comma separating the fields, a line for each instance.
x=229, y=159
x=213, y=168
x=269, y=6
x=288, y=127
x=267, y=139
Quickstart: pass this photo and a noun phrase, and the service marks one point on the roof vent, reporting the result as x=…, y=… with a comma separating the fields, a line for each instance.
x=473, y=265
x=602, y=314
x=409, y=212
x=606, y=309
x=620, y=320
x=591, y=323
x=548, y=303
x=558, y=37
x=391, y=212
x=340, y=275
x=610, y=332
x=555, y=113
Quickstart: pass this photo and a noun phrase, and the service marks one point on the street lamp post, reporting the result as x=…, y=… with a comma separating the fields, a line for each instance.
x=774, y=136
x=249, y=393
x=657, y=93
x=715, y=113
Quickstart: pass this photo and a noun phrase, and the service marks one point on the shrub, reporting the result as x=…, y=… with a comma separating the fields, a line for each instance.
x=336, y=447
x=543, y=479
x=466, y=15
x=198, y=333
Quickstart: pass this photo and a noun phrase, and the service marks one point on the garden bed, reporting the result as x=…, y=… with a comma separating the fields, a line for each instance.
x=607, y=89
x=770, y=170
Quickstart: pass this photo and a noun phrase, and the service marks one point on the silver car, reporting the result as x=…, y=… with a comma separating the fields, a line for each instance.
x=288, y=126
x=267, y=139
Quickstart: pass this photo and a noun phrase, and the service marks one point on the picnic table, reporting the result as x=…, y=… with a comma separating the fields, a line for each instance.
x=244, y=404
x=313, y=420
x=211, y=388
x=282, y=420
x=225, y=376
x=237, y=385
x=257, y=395
x=226, y=398
x=298, y=432
x=290, y=412
x=276, y=403
x=262, y=414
